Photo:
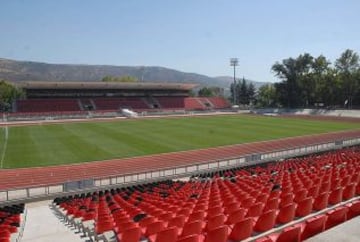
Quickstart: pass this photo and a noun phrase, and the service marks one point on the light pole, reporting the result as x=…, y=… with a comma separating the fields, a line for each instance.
x=234, y=62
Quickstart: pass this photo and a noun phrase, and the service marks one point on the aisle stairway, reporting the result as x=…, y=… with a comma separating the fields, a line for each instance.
x=42, y=226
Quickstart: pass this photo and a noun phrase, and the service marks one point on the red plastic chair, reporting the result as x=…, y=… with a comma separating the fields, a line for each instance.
x=271, y=204
x=354, y=209
x=289, y=234
x=236, y=216
x=304, y=207
x=300, y=195
x=336, y=196
x=195, y=227
x=197, y=216
x=286, y=213
x=325, y=187
x=104, y=226
x=286, y=199
x=349, y=191
x=247, y=202
x=255, y=210
x=215, y=222
x=321, y=201
x=313, y=226
x=125, y=226
x=212, y=211
x=178, y=221
x=242, y=230
x=130, y=235
x=219, y=234
x=314, y=191
x=336, y=216
x=191, y=238
x=154, y=228
x=148, y=220
x=265, y=221
x=166, y=235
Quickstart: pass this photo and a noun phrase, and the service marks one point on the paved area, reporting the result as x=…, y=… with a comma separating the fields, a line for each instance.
x=43, y=226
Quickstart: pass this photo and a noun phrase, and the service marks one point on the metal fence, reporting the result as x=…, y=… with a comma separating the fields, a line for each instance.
x=47, y=191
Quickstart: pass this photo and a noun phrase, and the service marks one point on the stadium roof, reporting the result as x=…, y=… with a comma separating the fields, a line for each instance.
x=106, y=85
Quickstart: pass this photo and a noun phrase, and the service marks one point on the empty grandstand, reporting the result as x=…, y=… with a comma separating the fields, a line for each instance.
x=103, y=96
x=287, y=201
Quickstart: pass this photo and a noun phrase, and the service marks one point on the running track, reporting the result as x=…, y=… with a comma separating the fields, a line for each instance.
x=53, y=175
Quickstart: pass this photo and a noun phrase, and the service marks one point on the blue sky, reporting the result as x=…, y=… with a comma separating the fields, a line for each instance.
x=188, y=35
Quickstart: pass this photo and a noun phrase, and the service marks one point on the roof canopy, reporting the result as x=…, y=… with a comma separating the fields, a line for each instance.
x=106, y=85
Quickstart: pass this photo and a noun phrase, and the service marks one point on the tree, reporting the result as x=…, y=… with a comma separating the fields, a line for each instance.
x=205, y=92
x=322, y=83
x=119, y=79
x=8, y=94
x=243, y=93
x=251, y=92
x=348, y=65
x=306, y=81
x=288, y=73
x=210, y=92
x=267, y=96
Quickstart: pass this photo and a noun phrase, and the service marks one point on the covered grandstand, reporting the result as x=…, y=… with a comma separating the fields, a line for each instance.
x=111, y=96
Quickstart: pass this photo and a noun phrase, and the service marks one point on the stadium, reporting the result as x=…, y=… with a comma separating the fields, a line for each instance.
x=75, y=168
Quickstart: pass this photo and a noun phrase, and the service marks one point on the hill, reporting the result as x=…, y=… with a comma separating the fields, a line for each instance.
x=36, y=71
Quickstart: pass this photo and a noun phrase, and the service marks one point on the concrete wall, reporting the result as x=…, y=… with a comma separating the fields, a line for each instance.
x=323, y=112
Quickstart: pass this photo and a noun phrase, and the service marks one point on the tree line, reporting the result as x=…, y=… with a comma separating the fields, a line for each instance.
x=8, y=94
x=308, y=81
x=125, y=78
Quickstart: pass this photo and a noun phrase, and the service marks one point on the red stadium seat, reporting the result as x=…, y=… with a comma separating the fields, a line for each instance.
x=336, y=216
x=215, y=221
x=286, y=213
x=191, y=238
x=349, y=191
x=354, y=209
x=336, y=196
x=236, y=216
x=289, y=234
x=313, y=226
x=166, y=235
x=255, y=210
x=219, y=234
x=194, y=227
x=130, y=235
x=178, y=221
x=242, y=230
x=154, y=228
x=304, y=207
x=265, y=221
x=321, y=201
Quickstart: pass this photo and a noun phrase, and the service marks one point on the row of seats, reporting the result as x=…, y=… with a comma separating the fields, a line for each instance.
x=315, y=225
x=136, y=103
x=229, y=205
x=116, y=103
x=10, y=218
x=47, y=105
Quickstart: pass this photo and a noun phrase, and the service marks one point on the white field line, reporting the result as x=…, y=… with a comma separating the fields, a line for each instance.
x=6, y=136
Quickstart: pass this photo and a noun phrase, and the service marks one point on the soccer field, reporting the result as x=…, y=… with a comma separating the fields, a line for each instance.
x=51, y=144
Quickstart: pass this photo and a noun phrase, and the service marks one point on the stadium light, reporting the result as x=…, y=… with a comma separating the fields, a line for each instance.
x=234, y=62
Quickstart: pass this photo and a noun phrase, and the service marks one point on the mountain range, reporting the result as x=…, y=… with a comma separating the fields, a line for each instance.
x=18, y=71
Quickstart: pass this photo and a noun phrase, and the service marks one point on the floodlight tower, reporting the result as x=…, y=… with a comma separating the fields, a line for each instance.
x=234, y=62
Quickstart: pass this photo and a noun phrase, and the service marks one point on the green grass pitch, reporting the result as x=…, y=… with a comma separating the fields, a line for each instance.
x=43, y=145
